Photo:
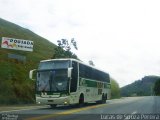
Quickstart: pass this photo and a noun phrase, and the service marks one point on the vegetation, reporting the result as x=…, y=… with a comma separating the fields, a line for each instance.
x=15, y=87
x=157, y=87
x=91, y=63
x=115, y=90
x=142, y=87
x=64, y=49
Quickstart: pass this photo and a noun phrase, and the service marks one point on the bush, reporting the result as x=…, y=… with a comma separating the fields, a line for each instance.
x=115, y=90
x=157, y=88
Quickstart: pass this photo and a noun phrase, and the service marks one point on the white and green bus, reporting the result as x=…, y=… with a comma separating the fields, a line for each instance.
x=70, y=81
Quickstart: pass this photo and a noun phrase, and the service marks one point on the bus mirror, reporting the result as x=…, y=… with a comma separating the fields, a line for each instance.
x=31, y=73
x=69, y=72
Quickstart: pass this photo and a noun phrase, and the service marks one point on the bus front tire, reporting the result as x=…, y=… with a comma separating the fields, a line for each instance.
x=81, y=101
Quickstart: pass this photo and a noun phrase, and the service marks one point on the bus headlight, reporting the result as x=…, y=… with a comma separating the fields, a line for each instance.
x=65, y=102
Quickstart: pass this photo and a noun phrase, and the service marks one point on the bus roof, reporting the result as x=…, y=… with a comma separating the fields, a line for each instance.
x=72, y=59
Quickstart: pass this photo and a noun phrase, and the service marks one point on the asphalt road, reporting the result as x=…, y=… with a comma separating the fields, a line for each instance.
x=131, y=108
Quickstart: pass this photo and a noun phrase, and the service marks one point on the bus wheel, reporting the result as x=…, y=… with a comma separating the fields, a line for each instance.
x=81, y=100
x=53, y=105
x=103, y=100
x=104, y=97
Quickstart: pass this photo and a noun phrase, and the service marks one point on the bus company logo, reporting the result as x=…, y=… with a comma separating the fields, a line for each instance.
x=100, y=85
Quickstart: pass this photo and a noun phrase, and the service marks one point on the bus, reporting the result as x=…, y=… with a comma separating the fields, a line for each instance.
x=70, y=81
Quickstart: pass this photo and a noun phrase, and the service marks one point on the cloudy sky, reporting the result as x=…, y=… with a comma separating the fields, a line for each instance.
x=121, y=37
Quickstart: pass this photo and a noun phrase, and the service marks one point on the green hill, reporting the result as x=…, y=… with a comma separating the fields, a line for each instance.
x=15, y=87
x=142, y=87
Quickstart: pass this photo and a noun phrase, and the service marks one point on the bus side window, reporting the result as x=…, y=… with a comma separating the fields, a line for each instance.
x=81, y=71
x=74, y=77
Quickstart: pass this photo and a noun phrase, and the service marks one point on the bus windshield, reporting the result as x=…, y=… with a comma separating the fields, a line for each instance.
x=54, y=65
x=52, y=80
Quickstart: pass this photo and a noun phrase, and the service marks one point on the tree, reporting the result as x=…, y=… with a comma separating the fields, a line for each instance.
x=91, y=63
x=157, y=87
x=64, y=49
x=115, y=90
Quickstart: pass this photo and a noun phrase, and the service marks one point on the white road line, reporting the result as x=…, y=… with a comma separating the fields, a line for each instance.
x=35, y=107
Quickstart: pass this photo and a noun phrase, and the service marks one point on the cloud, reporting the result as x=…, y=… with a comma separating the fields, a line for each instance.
x=121, y=37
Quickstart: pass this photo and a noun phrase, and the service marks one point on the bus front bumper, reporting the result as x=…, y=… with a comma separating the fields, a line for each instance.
x=49, y=101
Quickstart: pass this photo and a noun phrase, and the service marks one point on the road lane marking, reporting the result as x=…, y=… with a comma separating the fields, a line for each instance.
x=65, y=112
x=37, y=107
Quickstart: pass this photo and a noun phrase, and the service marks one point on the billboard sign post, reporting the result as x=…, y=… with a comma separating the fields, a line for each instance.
x=17, y=44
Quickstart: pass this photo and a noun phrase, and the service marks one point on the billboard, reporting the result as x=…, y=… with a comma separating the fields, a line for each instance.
x=17, y=44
